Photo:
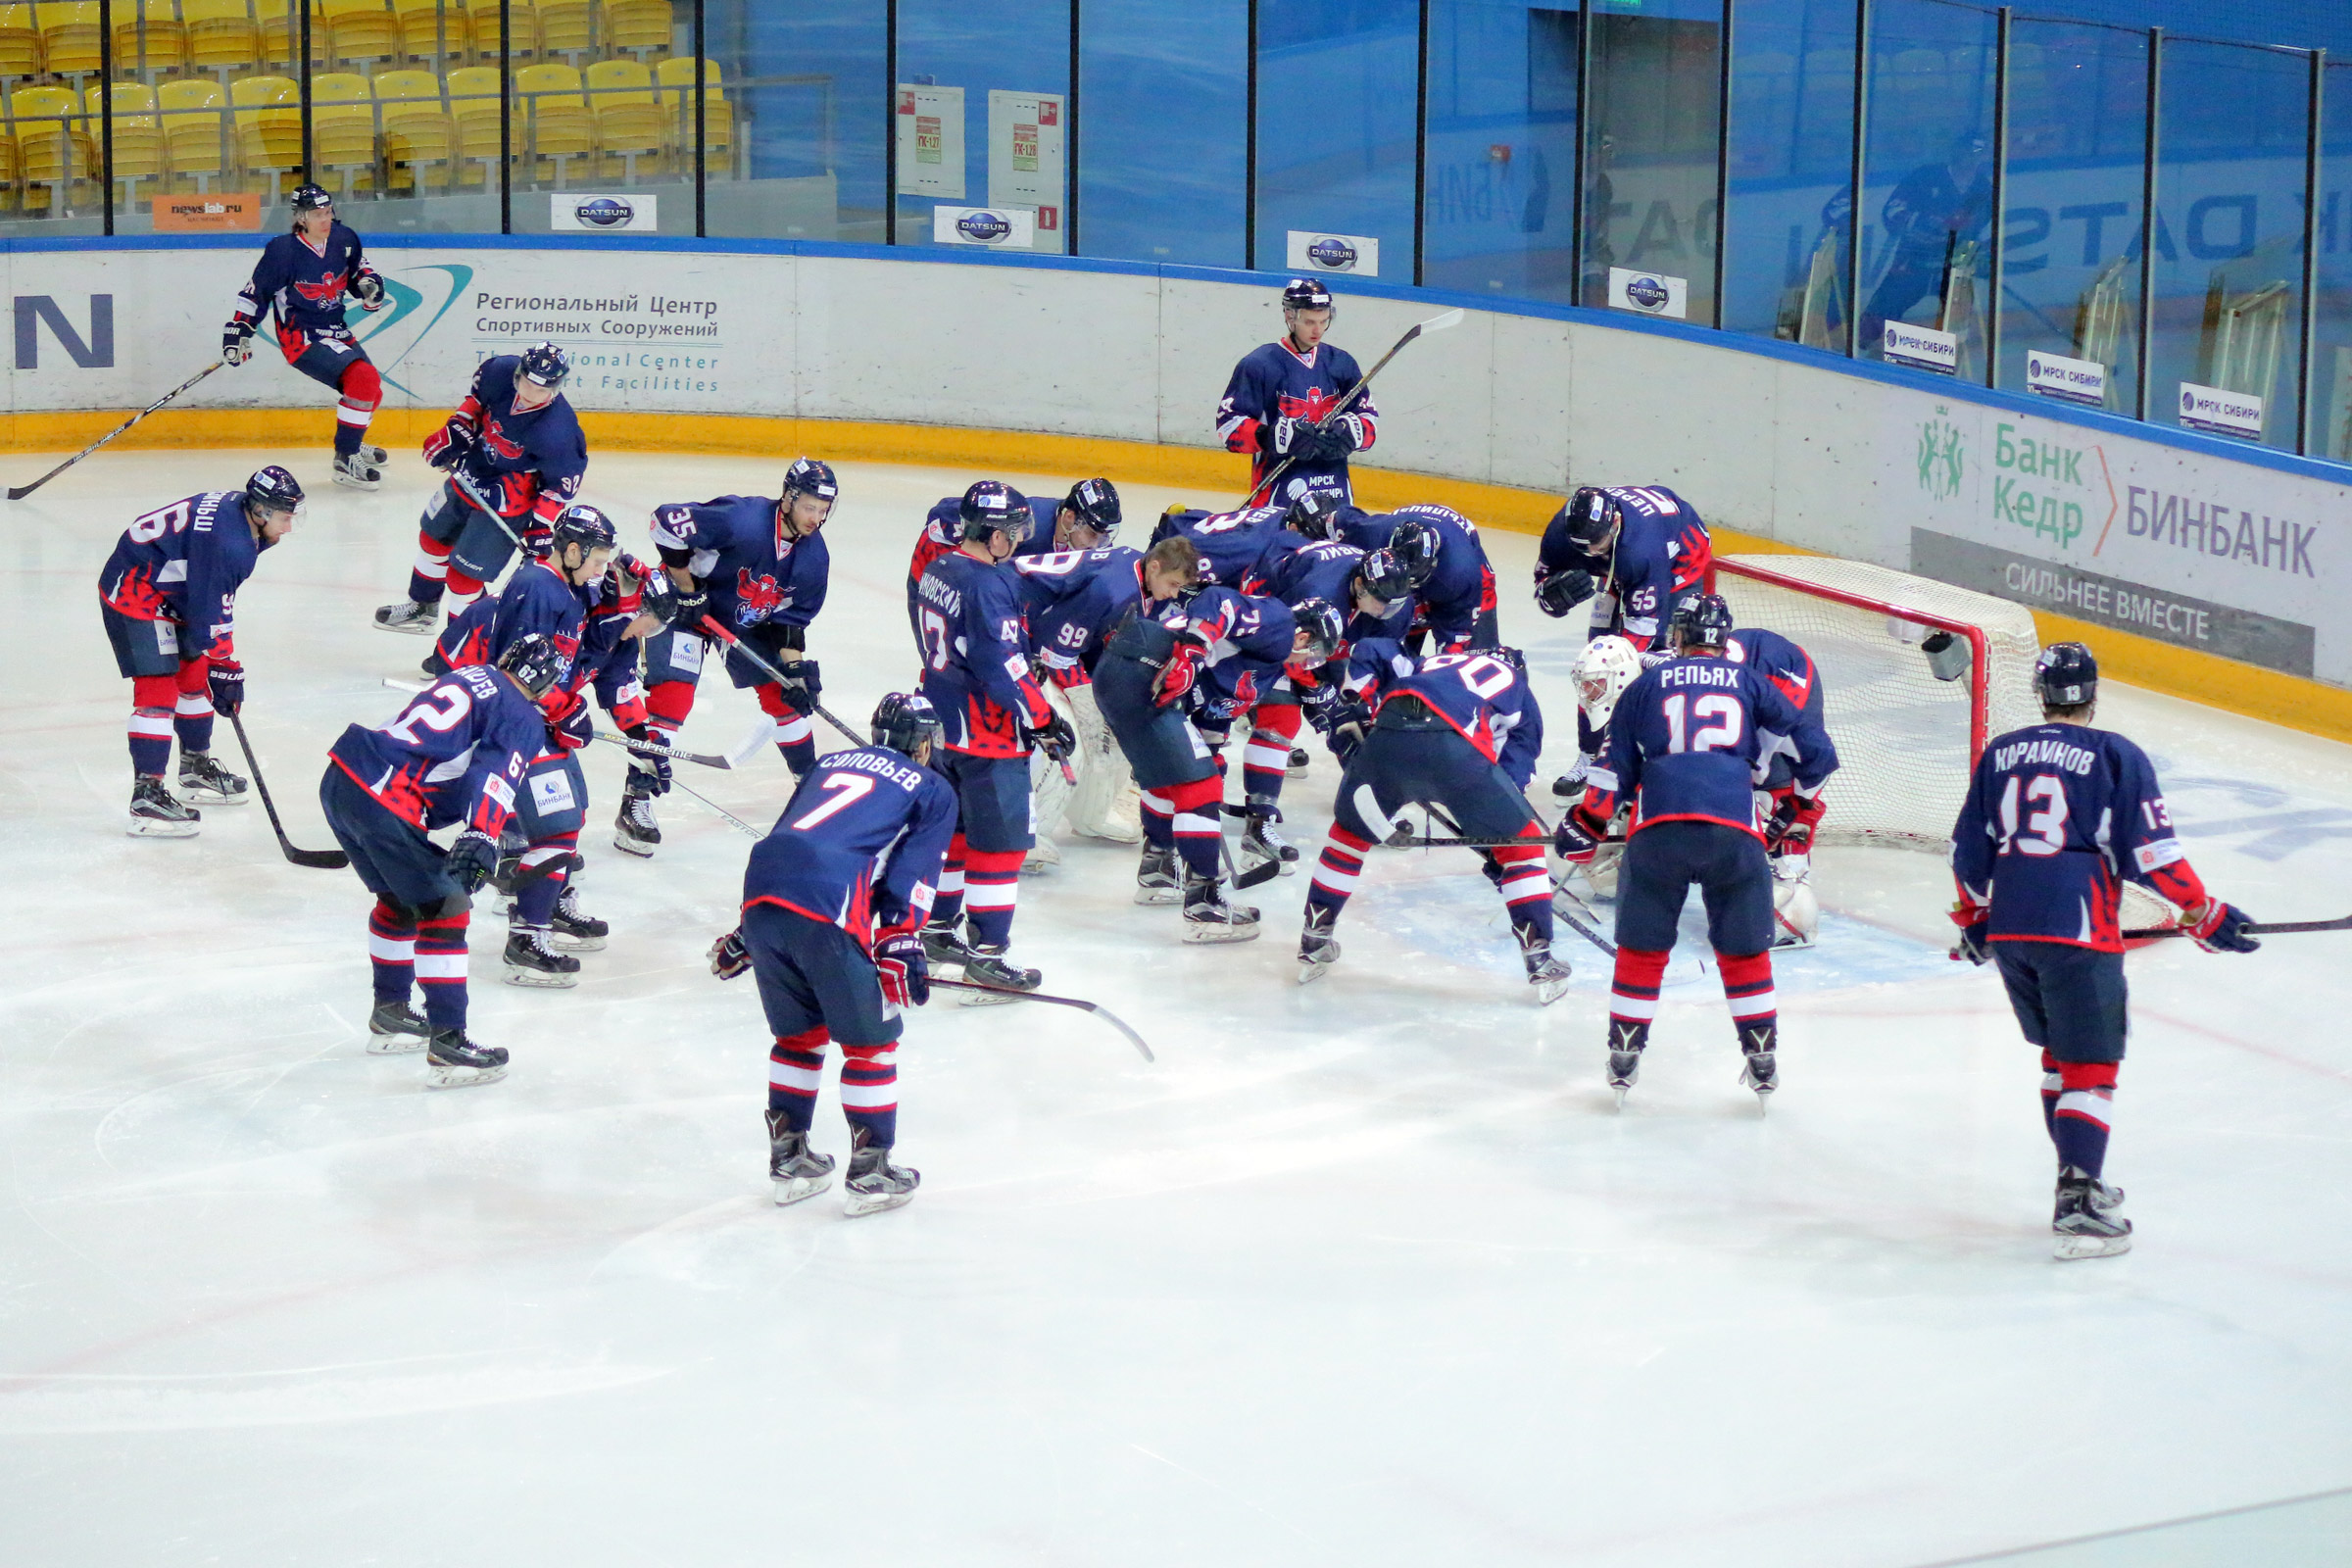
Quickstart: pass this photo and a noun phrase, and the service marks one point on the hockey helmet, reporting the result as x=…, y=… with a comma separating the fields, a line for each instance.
x=534, y=660
x=1382, y=575
x=1702, y=620
x=273, y=489
x=810, y=477
x=2066, y=675
x=1510, y=657
x=1306, y=294
x=1603, y=669
x=1097, y=503
x=1315, y=513
x=310, y=199
x=1415, y=544
x=903, y=720
x=1590, y=514
x=1324, y=625
x=584, y=525
x=990, y=506
x=545, y=364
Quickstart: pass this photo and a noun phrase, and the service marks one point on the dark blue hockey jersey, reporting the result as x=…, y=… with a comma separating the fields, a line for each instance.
x=1250, y=639
x=860, y=844
x=305, y=286
x=976, y=656
x=536, y=599
x=1662, y=551
x=1812, y=755
x=1321, y=568
x=1684, y=744
x=1274, y=381
x=1482, y=699
x=523, y=461
x=943, y=531
x=2056, y=818
x=1075, y=598
x=1236, y=548
x=184, y=564
x=735, y=547
x=455, y=754
x=1458, y=591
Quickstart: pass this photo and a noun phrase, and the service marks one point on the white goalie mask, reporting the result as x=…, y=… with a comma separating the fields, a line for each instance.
x=1603, y=671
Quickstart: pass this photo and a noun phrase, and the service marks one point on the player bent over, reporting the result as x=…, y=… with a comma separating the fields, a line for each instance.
x=1605, y=668
x=1683, y=748
x=302, y=279
x=832, y=900
x=1640, y=549
x=1459, y=733
x=456, y=754
x=515, y=456
x=1791, y=772
x=2057, y=817
x=1444, y=561
x=761, y=568
x=169, y=596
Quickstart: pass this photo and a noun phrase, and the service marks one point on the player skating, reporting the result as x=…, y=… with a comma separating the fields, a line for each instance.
x=1683, y=748
x=169, y=596
x=2057, y=817
x=1459, y=734
x=832, y=900
x=456, y=754
x=1280, y=391
x=515, y=456
x=1443, y=559
x=302, y=279
x=1642, y=550
x=762, y=570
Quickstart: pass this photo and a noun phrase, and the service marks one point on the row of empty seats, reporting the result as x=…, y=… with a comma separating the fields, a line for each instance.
x=228, y=38
x=402, y=132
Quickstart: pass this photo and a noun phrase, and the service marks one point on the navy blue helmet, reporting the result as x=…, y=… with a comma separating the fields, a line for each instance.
x=1590, y=512
x=1097, y=503
x=1314, y=514
x=1324, y=625
x=1382, y=575
x=1702, y=620
x=1304, y=294
x=903, y=720
x=584, y=525
x=534, y=660
x=273, y=489
x=810, y=477
x=991, y=507
x=2067, y=676
x=1414, y=544
x=310, y=199
x=545, y=364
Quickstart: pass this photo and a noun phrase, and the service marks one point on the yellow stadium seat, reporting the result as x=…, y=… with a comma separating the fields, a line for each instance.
x=269, y=114
x=566, y=27
x=281, y=28
x=484, y=14
x=560, y=128
x=11, y=175
x=419, y=139
x=618, y=81
x=474, y=109
x=641, y=28
x=677, y=76
x=196, y=132
x=149, y=38
x=360, y=32
x=139, y=152
x=343, y=129
x=55, y=147
x=633, y=128
x=70, y=41
x=20, y=48
x=223, y=36
x=437, y=30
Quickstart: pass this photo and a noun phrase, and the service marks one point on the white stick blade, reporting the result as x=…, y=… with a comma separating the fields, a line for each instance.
x=1438, y=323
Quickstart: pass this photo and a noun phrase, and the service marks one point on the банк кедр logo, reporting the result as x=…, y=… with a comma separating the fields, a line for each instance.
x=1649, y=293
x=603, y=211
x=1331, y=252
x=985, y=228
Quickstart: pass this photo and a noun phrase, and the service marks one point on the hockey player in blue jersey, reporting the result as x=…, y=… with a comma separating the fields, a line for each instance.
x=1684, y=746
x=1454, y=585
x=456, y=754
x=302, y=279
x=832, y=901
x=1086, y=519
x=1459, y=733
x=1281, y=393
x=169, y=595
x=515, y=456
x=761, y=569
x=1793, y=771
x=2058, y=816
x=1642, y=550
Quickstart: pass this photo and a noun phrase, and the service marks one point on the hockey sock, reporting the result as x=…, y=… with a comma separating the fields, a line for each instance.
x=1755, y=1010
x=535, y=899
x=947, y=905
x=992, y=884
x=1337, y=870
x=192, y=708
x=428, y=576
x=795, y=735
x=1266, y=760
x=1159, y=820
x=441, y=969
x=464, y=589
x=2052, y=1085
x=795, y=1069
x=151, y=701
x=1196, y=826
x=391, y=952
x=1526, y=886
x=1633, y=995
x=2086, y=1109
x=666, y=704
x=362, y=390
x=869, y=1090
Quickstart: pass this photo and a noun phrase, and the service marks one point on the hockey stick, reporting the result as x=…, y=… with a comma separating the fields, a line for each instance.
x=1580, y=916
x=752, y=656
x=739, y=825
x=20, y=492
x=321, y=860
x=651, y=749
x=1097, y=1009
x=1435, y=323
x=2276, y=928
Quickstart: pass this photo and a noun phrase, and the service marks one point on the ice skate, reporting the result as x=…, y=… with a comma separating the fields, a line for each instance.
x=1299, y=762
x=417, y=620
x=1260, y=844
x=452, y=1061
x=986, y=966
x=1155, y=880
x=874, y=1184
x=374, y=453
x=156, y=814
x=353, y=469
x=532, y=960
x=1547, y=974
x=1044, y=855
x=798, y=1171
x=570, y=931
x=1209, y=918
x=944, y=944
x=1318, y=948
x=201, y=778
x=394, y=1029
x=1760, y=1047
x=634, y=830
x=2089, y=1221
x=1626, y=1044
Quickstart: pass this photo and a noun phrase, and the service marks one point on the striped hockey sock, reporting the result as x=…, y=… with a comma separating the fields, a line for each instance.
x=947, y=908
x=1633, y=995
x=796, y=1067
x=992, y=886
x=1755, y=1010
x=429, y=576
x=869, y=1090
x=391, y=952
x=441, y=969
x=1337, y=869
x=2085, y=1111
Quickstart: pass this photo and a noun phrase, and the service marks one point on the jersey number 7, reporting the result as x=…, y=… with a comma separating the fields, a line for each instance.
x=849, y=788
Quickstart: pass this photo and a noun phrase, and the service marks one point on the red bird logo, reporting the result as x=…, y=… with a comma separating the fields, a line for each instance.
x=1314, y=406
x=496, y=440
x=760, y=597
x=326, y=291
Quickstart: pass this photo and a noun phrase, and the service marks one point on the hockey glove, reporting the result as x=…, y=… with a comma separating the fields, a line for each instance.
x=1183, y=668
x=801, y=685
x=471, y=860
x=651, y=774
x=680, y=608
x=370, y=289
x=1056, y=738
x=1790, y=829
x=729, y=958
x=237, y=342
x=1563, y=591
x=227, y=678
x=538, y=534
x=1975, y=922
x=446, y=448
x=2220, y=927
x=1578, y=837
x=906, y=976
x=1290, y=436
x=570, y=725
x=1351, y=717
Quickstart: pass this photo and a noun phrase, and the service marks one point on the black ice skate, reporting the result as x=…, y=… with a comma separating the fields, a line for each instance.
x=452, y=1061
x=156, y=814
x=1568, y=788
x=798, y=1171
x=1318, y=948
x=874, y=1184
x=1155, y=880
x=2089, y=1221
x=570, y=931
x=394, y=1029
x=201, y=778
x=353, y=469
x=1626, y=1043
x=1260, y=844
x=1547, y=974
x=1299, y=761
x=986, y=966
x=1762, y=1072
x=634, y=830
x=531, y=960
x=944, y=944
x=417, y=620
x=1208, y=917
x=374, y=453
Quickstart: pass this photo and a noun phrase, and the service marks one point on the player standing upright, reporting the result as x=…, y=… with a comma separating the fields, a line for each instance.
x=2057, y=817
x=1643, y=550
x=515, y=456
x=1791, y=769
x=302, y=279
x=1087, y=518
x=169, y=597
x=1281, y=393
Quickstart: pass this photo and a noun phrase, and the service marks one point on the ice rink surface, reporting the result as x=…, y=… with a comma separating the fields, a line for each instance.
x=1363, y=1273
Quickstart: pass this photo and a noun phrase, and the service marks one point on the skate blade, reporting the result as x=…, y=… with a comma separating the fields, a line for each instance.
x=148, y=828
x=423, y=628
x=1549, y=992
x=395, y=1044
x=1310, y=971
x=197, y=795
x=857, y=1205
x=643, y=851
x=539, y=981
x=349, y=482
x=437, y=1076
x=1157, y=898
x=2069, y=1249
x=1621, y=1090
x=577, y=944
x=1217, y=935
x=1040, y=867
x=792, y=1190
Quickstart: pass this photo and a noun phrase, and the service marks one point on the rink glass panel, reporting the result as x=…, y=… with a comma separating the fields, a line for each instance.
x=793, y=142
x=1336, y=89
x=2331, y=358
x=1163, y=124
x=1501, y=175
x=1009, y=46
x=1791, y=155
x=1652, y=146
x=2231, y=158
